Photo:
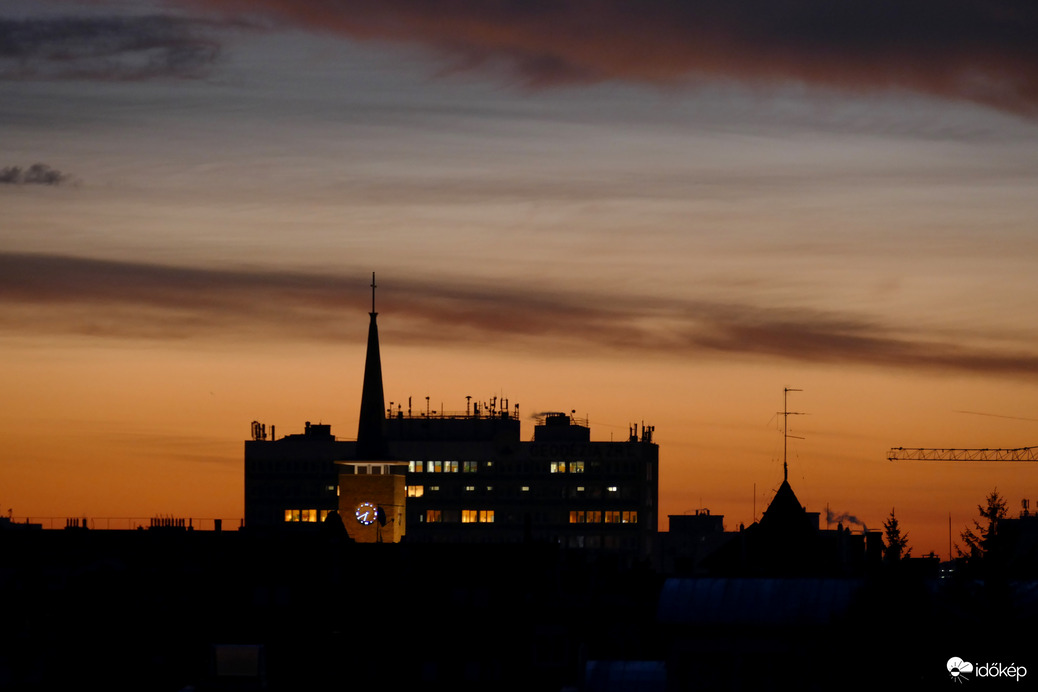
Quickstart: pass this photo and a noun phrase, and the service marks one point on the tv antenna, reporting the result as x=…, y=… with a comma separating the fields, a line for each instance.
x=786, y=413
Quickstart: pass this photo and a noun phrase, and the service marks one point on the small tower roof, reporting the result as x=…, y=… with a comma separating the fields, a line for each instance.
x=784, y=506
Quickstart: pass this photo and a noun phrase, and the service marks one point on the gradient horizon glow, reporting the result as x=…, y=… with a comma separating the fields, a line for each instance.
x=662, y=213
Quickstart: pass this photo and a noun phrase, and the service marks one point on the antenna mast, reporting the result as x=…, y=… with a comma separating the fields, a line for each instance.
x=786, y=413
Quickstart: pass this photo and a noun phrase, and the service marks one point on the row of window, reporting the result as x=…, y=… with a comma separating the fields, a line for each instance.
x=581, y=516
x=306, y=515
x=486, y=516
x=434, y=466
x=444, y=466
x=452, y=516
x=419, y=490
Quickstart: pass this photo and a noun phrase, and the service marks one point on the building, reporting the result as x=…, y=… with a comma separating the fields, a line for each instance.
x=469, y=477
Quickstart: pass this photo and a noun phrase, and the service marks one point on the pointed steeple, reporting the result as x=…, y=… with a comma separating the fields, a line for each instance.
x=371, y=434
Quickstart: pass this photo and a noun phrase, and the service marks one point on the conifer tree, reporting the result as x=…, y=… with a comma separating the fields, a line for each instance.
x=981, y=537
x=896, y=545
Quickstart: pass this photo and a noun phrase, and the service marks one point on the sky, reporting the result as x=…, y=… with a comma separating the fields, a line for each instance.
x=650, y=211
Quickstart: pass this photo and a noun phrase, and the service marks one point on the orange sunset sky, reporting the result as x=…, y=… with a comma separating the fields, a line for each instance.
x=644, y=212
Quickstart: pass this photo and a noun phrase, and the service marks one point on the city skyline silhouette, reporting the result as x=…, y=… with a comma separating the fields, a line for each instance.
x=194, y=196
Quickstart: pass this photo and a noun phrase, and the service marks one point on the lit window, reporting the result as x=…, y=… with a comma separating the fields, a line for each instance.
x=469, y=466
x=304, y=515
x=470, y=488
x=576, y=467
x=558, y=467
x=490, y=488
x=525, y=488
x=630, y=517
x=450, y=466
x=577, y=517
x=415, y=490
x=419, y=466
x=580, y=488
x=486, y=516
x=433, y=516
x=611, y=488
x=594, y=517
x=469, y=516
x=434, y=488
x=435, y=467
x=612, y=517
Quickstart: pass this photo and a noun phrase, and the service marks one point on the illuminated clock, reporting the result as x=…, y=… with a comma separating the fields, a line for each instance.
x=367, y=513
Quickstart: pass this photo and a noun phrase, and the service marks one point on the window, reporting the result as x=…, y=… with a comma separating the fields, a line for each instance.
x=469, y=466
x=578, y=517
x=594, y=517
x=433, y=516
x=469, y=516
x=415, y=490
x=450, y=467
x=612, y=488
x=470, y=488
x=309, y=516
x=486, y=516
x=434, y=488
x=612, y=517
x=558, y=467
x=435, y=467
x=525, y=489
x=576, y=467
x=416, y=466
x=630, y=517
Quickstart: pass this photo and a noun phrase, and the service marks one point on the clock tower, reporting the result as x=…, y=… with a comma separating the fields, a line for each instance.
x=372, y=490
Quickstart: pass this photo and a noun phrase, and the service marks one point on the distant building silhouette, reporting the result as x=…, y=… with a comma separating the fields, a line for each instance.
x=468, y=477
x=786, y=542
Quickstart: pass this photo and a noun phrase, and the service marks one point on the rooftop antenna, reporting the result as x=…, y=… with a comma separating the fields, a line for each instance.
x=786, y=413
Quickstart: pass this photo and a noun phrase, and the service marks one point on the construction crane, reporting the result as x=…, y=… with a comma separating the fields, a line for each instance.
x=986, y=454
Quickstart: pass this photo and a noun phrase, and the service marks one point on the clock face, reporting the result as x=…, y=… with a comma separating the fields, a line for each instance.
x=367, y=513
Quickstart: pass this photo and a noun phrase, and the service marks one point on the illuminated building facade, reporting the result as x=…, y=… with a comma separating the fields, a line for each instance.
x=467, y=477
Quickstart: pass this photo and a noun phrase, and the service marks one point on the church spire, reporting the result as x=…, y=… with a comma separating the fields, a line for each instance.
x=371, y=436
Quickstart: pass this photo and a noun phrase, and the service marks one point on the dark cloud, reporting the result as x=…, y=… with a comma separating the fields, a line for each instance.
x=36, y=174
x=109, y=48
x=980, y=50
x=55, y=294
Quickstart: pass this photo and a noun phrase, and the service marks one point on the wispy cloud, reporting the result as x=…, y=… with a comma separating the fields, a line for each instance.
x=106, y=48
x=36, y=174
x=109, y=299
x=980, y=50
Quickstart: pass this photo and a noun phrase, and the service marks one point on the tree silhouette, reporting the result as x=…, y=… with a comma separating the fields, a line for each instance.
x=981, y=537
x=896, y=545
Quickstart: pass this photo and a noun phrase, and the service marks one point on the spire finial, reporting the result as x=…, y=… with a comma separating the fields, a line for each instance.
x=373, y=286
